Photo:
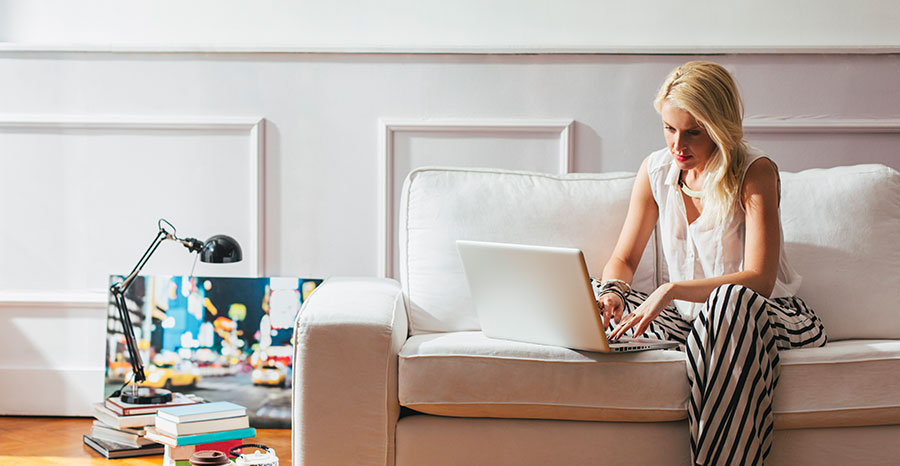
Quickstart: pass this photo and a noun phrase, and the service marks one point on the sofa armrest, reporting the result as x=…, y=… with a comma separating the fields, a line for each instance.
x=345, y=404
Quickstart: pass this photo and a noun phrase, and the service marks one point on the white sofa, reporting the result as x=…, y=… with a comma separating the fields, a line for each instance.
x=396, y=372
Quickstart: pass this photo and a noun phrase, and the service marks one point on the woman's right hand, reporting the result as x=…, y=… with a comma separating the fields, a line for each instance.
x=611, y=307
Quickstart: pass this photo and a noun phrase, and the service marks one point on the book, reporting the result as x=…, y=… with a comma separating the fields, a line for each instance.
x=201, y=411
x=211, y=437
x=102, y=431
x=117, y=450
x=175, y=429
x=102, y=413
x=139, y=430
x=116, y=405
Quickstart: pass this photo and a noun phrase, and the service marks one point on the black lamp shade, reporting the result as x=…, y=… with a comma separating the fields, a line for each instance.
x=221, y=249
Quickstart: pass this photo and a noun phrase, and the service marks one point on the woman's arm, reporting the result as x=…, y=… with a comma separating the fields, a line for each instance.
x=639, y=224
x=759, y=197
x=636, y=231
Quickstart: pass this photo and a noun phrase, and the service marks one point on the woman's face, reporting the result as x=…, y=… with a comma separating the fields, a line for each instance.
x=687, y=139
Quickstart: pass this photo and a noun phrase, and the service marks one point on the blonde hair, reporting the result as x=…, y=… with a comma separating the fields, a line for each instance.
x=708, y=92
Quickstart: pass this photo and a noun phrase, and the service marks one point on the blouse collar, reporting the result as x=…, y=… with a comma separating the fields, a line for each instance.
x=673, y=174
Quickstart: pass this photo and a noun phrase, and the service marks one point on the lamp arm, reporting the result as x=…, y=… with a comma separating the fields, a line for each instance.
x=137, y=366
x=118, y=292
x=126, y=282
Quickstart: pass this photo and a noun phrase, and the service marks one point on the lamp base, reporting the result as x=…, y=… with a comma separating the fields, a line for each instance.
x=145, y=396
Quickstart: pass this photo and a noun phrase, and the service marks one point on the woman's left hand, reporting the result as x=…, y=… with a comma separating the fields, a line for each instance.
x=645, y=313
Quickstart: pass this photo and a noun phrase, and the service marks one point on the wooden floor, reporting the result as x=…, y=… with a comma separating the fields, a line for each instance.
x=40, y=441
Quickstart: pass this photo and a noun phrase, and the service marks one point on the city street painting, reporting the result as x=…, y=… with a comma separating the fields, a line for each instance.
x=218, y=338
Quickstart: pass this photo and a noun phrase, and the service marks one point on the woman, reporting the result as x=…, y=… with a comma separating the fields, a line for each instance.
x=730, y=300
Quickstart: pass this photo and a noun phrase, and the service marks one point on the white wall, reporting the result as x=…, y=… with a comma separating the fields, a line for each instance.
x=95, y=146
x=428, y=25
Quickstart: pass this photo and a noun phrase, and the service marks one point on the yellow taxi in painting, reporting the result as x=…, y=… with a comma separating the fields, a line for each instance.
x=269, y=375
x=168, y=376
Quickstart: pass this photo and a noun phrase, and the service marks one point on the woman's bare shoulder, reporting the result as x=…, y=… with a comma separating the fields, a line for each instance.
x=761, y=178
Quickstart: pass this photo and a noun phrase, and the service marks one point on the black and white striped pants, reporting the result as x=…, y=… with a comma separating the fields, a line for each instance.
x=732, y=353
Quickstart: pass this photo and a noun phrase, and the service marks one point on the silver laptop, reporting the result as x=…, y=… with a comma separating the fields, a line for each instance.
x=539, y=294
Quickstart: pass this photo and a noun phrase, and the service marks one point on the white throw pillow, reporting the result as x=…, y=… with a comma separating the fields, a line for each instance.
x=439, y=206
x=841, y=228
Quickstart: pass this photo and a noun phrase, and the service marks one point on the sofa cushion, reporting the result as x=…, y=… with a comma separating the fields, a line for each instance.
x=845, y=383
x=440, y=206
x=466, y=374
x=840, y=230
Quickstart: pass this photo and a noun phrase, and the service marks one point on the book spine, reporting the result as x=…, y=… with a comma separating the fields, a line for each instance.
x=109, y=418
x=130, y=411
x=200, y=416
x=201, y=427
x=91, y=443
x=215, y=436
x=106, y=419
x=113, y=435
x=115, y=409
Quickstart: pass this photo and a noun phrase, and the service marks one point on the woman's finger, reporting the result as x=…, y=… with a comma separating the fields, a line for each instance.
x=620, y=330
x=626, y=324
x=642, y=327
x=608, y=306
x=618, y=309
x=639, y=329
x=618, y=333
x=607, y=314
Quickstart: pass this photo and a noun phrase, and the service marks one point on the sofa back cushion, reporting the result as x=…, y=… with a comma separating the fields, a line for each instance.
x=439, y=206
x=841, y=227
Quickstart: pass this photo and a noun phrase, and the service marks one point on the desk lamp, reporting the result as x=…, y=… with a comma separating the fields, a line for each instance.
x=217, y=249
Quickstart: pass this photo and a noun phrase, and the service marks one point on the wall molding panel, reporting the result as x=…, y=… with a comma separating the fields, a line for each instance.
x=761, y=125
x=394, y=162
x=44, y=299
x=249, y=131
x=828, y=141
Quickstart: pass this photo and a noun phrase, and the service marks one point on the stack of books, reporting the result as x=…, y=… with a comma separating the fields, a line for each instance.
x=119, y=428
x=219, y=425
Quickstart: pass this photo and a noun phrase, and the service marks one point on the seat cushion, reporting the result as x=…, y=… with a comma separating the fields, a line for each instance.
x=465, y=374
x=845, y=383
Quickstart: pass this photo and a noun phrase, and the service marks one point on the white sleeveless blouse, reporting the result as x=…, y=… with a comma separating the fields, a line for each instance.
x=693, y=252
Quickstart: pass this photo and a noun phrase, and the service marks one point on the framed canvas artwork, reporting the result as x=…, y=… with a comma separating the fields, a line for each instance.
x=219, y=338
